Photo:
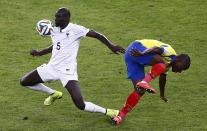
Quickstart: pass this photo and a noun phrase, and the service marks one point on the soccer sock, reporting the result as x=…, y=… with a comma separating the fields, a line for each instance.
x=148, y=78
x=131, y=101
x=90, y=107
x=156, y=70
x=41, y=87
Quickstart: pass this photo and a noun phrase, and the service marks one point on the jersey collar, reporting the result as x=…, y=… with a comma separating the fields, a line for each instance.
x=66, y=28
x=173, y=58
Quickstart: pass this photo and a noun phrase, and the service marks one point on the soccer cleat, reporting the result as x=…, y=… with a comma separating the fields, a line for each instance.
x=116, y=120
x=112, y=113
x=147, y=87
x=51, y=98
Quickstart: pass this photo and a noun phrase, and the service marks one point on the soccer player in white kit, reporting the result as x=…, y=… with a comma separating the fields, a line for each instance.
x=63, y=64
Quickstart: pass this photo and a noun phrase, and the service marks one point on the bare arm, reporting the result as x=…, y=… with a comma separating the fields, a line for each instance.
x=41, y=52
x=162, y=82
x=104, y=40
x=153, y=50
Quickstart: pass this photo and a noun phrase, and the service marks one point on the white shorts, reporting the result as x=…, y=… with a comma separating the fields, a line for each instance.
x=49, y=74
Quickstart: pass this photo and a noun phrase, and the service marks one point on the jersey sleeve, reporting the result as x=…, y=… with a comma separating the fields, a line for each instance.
x=162, y=50
x=81, y=30
x=165, y=50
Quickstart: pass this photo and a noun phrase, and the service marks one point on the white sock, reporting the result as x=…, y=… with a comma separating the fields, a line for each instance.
x=90, y=107
x=41, y=87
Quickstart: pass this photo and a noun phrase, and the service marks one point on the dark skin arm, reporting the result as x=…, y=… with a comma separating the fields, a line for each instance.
x=162, y=82
x=41, y=52
x=153, y=50
x=114, y=48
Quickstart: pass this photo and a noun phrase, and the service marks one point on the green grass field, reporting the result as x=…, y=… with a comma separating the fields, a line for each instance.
x=181, y=23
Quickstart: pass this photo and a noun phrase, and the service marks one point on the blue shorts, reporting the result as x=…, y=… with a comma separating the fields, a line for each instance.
x=135, y=65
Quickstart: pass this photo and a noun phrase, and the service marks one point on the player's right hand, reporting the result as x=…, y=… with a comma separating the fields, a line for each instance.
x=34, y=53
x=117, y=49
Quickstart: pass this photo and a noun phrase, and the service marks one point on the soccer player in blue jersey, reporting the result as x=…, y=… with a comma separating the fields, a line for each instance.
x=153, y=53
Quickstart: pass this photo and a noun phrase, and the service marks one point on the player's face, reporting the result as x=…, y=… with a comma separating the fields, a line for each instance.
x=177, y=67
x=61, y=19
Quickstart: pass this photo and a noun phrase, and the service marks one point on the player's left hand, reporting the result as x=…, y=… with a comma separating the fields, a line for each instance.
x=164, y=98
x=117, y=49
x=135, y=53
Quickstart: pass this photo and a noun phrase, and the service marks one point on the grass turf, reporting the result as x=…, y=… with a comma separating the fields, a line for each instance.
x=181, y=23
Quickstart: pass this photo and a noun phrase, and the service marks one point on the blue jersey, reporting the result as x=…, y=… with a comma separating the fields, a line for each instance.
x=135, y=65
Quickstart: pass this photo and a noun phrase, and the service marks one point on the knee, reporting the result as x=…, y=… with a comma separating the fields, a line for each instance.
x=80, y=106
x=140, y=91
x=23, y=82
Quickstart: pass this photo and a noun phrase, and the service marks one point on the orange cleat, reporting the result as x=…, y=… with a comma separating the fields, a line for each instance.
x=146, y=86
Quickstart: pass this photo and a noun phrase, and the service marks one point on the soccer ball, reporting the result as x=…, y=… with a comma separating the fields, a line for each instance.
x=44, y=27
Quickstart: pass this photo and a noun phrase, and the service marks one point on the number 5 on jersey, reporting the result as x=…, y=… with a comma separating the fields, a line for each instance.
x=58, y=46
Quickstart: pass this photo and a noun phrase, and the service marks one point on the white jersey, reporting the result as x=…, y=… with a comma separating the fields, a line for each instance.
x=65, y=47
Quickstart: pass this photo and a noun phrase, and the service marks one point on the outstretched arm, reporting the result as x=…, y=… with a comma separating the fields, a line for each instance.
x=162, y=82
x=153, y=50
x=103, y=39
x=41, y=52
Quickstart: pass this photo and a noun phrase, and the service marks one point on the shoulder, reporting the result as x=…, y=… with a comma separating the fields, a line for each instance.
x=76, y=26
x=55, y=29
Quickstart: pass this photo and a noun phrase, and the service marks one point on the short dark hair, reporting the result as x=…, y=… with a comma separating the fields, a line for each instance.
x=186, y=60
x=65, y=11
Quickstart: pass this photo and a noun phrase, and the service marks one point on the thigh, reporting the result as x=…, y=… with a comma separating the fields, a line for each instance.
x=135, y=71
x=145, y=60
x=66, y=77
x=73, y=88
x=47, y=73
x=31, y=78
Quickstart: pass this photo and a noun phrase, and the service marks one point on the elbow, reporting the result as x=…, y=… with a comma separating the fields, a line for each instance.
x=158, y=50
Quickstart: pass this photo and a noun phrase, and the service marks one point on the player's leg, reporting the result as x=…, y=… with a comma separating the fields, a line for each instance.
x=32, y=80
x=132, y=99
x=74, y=89
x=135, y=72
x=130, y=103
x=140, y=89
x=156, y=69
